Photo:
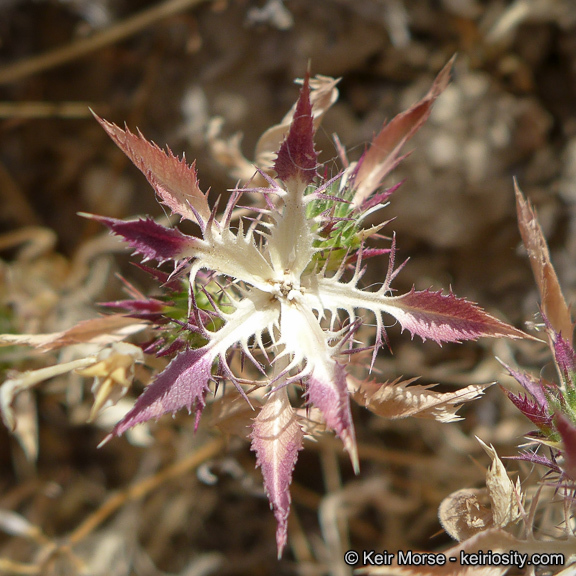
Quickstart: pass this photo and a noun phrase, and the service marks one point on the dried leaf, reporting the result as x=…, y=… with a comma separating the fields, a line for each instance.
x=103, y=330
x=464, y=513
x=36, y=340
x=227, y=151
x=21, y=381
x=505, y=496
x=401, y=399
x=554, y=304
x=113, y=374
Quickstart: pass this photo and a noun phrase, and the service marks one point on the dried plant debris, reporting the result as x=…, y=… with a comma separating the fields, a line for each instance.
x=401, y=399
x=465, y=512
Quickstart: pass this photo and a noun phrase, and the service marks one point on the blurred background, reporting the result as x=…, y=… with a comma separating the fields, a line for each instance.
x=187, y=73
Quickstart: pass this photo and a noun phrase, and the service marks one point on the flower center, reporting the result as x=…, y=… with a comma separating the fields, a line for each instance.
x=287, y=289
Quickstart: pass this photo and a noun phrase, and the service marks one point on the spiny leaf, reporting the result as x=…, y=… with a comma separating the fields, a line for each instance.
x=146, y=308
x=322, y=96
x=535, y=412
x=175, y=182
x=147, y=237
x=567, y=430
x=553, y=302
x=537, y=459
x=536, y=388
x=228, y=153
x=446, y=318
x=182, y=384
x=297, y=157
x=565, y=358
x=430, y=315
x=327, y=390
x=276, y=438
x=384, y=152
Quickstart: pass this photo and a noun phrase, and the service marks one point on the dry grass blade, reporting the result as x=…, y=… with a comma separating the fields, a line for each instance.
x=9, y=567
x=32, y=241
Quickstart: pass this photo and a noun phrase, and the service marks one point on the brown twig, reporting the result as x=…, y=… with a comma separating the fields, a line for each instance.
x=52, y=548
x=8, y=566
x=26, y=110
x=144, y=487
x=74, y=50
x=15, y=203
